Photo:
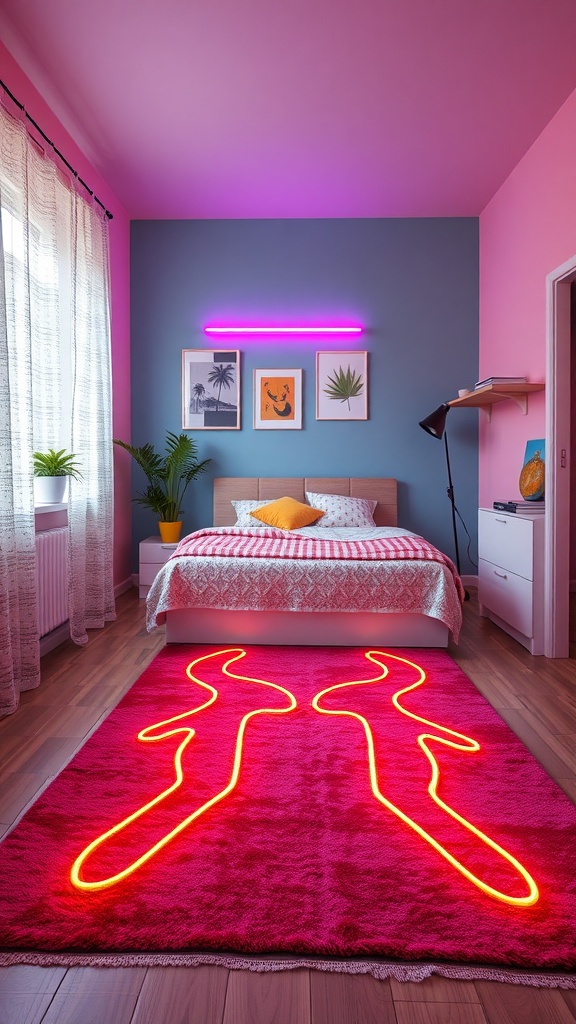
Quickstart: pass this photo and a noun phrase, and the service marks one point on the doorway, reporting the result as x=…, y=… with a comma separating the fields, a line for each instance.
x=559, y=542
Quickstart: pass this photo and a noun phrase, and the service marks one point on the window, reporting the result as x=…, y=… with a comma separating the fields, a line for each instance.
x=38, y=303
x=55, y=390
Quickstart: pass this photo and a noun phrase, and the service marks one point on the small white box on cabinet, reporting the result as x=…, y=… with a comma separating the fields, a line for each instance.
x=511, y=574
x=153, y=555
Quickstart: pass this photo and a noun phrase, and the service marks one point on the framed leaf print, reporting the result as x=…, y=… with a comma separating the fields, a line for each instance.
x=278, y=399
x=341, y=385
x=210, y=389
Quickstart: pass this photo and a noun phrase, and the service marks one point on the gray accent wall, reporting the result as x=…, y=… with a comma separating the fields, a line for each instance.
x=411, y=283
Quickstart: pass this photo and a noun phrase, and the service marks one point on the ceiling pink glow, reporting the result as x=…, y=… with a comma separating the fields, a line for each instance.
x=299, y=108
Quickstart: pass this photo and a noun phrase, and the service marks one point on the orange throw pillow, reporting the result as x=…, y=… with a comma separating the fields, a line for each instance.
x=287, y=514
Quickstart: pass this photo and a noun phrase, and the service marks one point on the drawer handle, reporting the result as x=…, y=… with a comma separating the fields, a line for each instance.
x=505, y=521
x=502, y=575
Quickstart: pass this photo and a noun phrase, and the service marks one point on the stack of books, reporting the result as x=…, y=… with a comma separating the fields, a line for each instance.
x=522, y=507
x=500, y=380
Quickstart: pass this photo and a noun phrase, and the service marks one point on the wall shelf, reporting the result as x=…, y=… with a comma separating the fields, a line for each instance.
x=486, y=397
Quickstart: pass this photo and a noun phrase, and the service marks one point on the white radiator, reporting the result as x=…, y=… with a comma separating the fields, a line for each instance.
x=52, y=578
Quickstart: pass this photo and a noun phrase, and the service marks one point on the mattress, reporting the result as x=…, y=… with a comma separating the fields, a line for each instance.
x=427, y=586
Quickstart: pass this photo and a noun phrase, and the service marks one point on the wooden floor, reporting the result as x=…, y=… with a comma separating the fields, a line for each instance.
x=537, y=698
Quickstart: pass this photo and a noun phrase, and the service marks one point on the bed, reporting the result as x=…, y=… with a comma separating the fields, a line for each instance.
x=416, y=602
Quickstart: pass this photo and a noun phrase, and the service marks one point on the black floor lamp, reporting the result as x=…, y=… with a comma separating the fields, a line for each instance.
x=435, y=424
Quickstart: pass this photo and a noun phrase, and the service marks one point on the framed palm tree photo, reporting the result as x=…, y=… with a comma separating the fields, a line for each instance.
x=341, y=385
x=210, y=389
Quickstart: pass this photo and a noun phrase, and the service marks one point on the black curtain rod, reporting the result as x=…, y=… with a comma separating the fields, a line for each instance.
x=57, y=151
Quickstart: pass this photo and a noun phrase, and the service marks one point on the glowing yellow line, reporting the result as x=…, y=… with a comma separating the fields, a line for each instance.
x=238, y=653
x=466, y=744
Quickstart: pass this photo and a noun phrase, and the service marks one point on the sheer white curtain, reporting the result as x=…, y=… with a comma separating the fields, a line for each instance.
x=90, y=507
x=55, y=392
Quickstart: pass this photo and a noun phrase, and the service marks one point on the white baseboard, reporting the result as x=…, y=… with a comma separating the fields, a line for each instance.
x=55, y=638
x=469, y=581
x=121, y=588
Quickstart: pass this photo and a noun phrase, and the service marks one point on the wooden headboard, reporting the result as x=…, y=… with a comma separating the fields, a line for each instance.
x=228, y=488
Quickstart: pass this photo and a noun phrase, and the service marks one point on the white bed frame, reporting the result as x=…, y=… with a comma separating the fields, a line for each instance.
x=344, y=629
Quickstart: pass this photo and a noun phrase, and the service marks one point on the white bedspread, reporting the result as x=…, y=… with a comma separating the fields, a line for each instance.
x=308, y=585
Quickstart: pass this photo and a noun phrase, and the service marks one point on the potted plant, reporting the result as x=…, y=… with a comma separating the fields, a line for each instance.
x=51, y=472
x=168, y=478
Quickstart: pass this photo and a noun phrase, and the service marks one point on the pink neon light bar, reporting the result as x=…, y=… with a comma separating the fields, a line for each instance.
x=283, y=330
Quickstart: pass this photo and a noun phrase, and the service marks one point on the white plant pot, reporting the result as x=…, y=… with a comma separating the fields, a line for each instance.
x=49, y=490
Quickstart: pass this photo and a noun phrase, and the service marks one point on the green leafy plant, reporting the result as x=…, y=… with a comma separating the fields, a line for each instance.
x=344, y=385
x=53, y=463
x=168, y=475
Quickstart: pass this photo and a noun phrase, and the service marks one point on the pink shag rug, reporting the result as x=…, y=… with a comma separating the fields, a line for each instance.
x=270, y=807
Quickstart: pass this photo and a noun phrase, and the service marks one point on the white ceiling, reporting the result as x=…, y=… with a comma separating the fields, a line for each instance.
x=299, y=108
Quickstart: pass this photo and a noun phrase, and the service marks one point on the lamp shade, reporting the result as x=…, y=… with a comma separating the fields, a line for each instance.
x=435, y=423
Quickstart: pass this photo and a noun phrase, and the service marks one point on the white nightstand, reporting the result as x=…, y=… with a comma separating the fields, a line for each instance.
x=511, y=574
x=153, y=555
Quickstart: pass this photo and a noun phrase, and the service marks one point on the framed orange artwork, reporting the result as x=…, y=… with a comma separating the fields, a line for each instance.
x=278, y=399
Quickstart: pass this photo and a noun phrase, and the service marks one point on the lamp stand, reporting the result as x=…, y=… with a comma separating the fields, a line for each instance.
x=450, y=493
x=435, y=425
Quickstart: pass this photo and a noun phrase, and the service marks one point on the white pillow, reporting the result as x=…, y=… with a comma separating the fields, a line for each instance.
x=243, y=510
x=341, y=510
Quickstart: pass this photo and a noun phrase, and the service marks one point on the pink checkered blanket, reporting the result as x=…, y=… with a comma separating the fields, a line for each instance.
x=268, y=542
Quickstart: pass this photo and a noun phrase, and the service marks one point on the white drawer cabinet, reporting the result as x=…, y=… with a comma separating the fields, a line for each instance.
x=153, y=555
x=511, y=574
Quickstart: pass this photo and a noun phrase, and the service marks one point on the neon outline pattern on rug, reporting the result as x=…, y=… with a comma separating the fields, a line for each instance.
x=465, y=744
x=468, y=744
x=190, y=733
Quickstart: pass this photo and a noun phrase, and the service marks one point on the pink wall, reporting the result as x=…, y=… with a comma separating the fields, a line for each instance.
x=526, y=231
x=573, y=431
x=119, y=231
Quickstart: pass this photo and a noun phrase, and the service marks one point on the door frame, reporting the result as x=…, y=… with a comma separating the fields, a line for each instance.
x=557, y=519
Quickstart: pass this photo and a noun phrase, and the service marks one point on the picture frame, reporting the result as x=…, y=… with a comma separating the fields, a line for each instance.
x=210, y=389
x=278, y=399
x=341, y=385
